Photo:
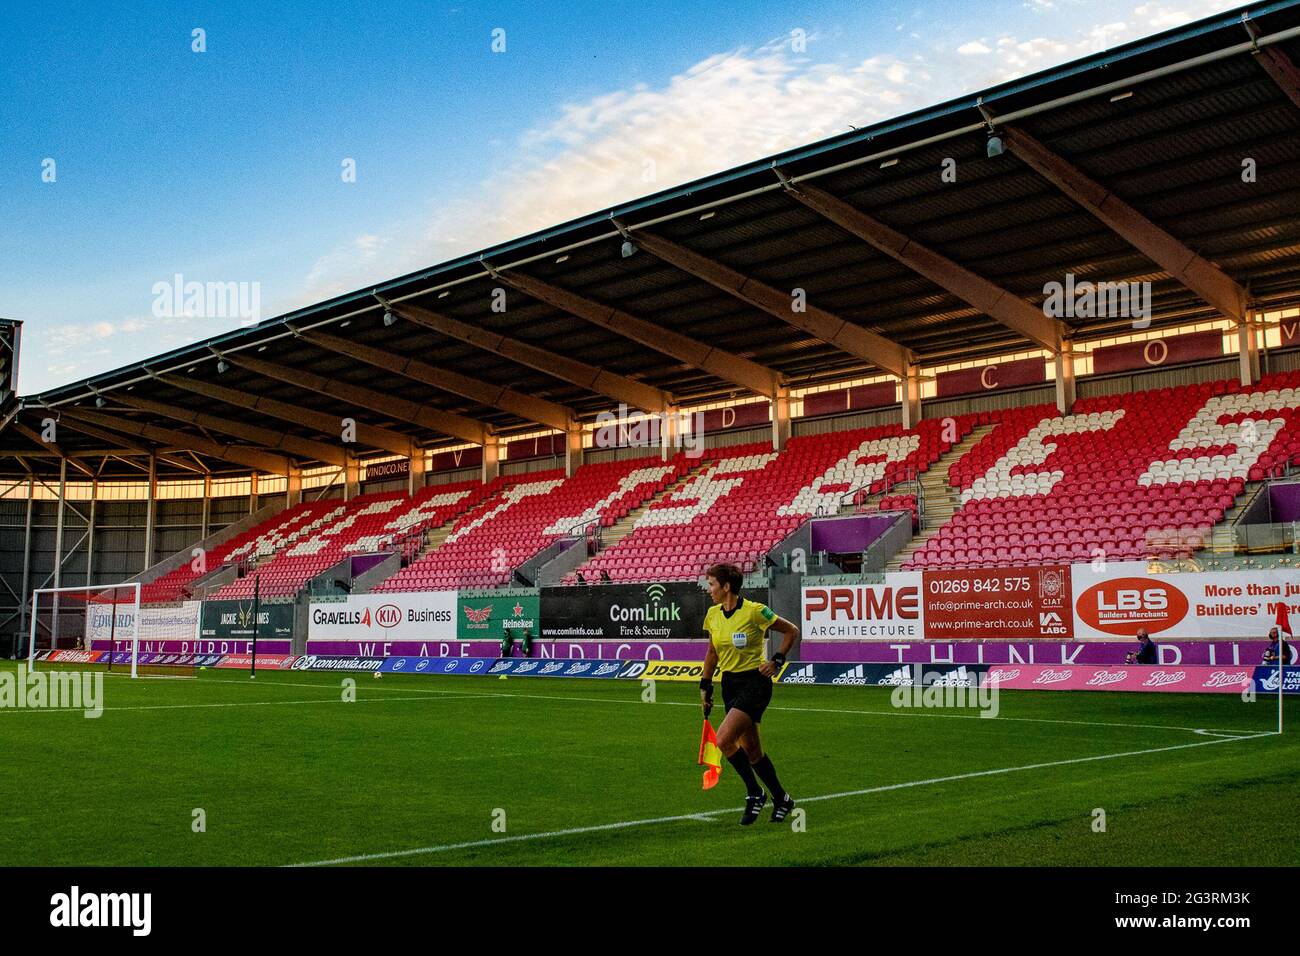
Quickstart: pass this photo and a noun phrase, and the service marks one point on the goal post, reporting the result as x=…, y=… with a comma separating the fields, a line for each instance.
x=76, y=618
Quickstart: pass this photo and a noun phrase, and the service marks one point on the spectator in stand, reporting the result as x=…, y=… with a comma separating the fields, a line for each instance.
x=1278, y=648
x=1147, y=652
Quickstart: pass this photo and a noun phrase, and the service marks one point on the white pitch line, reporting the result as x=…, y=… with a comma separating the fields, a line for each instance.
x=627, y=824
x=901, y=712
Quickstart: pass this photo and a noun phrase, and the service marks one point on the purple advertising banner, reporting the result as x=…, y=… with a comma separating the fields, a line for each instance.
x=988, y=378
x=848, y=535
x=847, y=399
x=581, y=650
x=363, y=563
x=1155, y=352
x=454, y=460
x=1285, y=501
x=1213, y=653
x=264, y=646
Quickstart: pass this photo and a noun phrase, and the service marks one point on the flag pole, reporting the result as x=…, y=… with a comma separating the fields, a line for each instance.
x=1283, y=628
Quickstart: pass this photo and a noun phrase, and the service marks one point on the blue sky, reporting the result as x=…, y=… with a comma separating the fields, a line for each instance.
x=226, y=165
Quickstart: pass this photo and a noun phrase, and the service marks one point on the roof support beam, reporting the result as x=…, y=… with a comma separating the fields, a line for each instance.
x=630, y=392
x=385, y=439
x=238, y=454
x=36, y=437
x=538, y=410
x=996, y=302
x=266, y=437
x=445, y=423
x=1276, y=63
x=853, y=339
x=123, y=446
x=1283, y=71
x=729, y=367
x=1198, y=274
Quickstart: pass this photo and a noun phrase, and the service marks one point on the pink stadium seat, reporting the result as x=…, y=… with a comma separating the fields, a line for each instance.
x=747, y=498
x=1130, y=476
x=524, y=514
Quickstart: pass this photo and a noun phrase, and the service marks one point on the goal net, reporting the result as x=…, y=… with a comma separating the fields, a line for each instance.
x=97, y=624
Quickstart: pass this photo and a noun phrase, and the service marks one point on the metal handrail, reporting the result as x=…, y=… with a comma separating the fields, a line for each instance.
x=592, y=532
x=909, y=474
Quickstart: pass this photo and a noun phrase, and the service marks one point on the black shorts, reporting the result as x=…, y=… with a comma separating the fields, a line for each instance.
x=747, y=691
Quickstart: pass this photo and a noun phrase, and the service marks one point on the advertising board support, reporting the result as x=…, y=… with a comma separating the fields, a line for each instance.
x=112, y=631
x=257, y=606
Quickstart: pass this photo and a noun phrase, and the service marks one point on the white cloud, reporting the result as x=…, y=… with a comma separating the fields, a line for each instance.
x=725, y=110
x=1163, y=16
x=65, y=353
x=721, y=112
x=347, y=267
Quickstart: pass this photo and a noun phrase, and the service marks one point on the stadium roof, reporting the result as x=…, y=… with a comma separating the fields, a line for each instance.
x=1123, y=166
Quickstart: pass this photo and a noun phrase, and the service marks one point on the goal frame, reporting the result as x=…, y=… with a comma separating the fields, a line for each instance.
x=55, y=592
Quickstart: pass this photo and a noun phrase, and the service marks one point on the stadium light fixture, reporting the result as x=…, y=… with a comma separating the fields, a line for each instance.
x=99, y=401
x=222, y=365
x=1121, y=96
x=708, y=215
x=561, y=259
x=344, y=325
x=995, y=146
x=389, y=318
x=629, y=249
x=889, y=162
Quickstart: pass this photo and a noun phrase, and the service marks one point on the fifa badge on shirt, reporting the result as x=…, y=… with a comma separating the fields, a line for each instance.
x=739, y=639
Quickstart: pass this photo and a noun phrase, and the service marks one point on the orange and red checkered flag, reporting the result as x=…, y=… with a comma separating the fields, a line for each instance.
x=710, y=755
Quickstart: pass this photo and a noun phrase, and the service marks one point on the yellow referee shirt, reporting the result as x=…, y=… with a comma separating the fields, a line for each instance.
x=738, y=638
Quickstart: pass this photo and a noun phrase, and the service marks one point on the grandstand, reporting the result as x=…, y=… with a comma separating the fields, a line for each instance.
x=930, y=377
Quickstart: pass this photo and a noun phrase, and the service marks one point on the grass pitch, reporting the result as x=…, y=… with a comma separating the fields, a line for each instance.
x=417, y=769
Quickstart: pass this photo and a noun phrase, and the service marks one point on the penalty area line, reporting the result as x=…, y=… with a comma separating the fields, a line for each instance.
x=703, y=816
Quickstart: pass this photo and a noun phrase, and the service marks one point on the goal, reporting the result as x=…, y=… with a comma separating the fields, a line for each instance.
x=98, y=619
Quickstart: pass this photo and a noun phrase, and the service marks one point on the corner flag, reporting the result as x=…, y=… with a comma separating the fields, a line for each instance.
x=710, y=755
x=1283, y=627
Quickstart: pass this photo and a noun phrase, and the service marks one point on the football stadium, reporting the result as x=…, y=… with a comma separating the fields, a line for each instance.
x=958, y=448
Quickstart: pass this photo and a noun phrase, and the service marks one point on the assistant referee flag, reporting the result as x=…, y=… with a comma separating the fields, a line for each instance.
x=710, y=755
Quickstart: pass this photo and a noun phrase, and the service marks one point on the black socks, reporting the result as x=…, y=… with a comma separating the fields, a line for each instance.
x=765, y=770
x=741, y=762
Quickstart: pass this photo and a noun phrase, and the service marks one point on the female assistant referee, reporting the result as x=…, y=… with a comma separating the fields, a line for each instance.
x=737, y=629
